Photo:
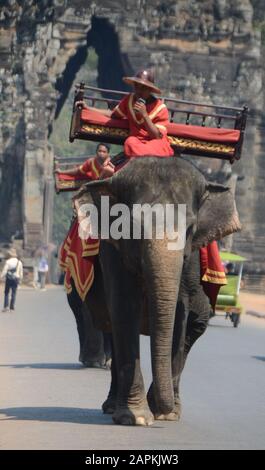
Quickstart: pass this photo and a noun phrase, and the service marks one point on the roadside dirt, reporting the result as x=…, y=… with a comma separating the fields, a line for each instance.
x=253, y=302
x=254, y=308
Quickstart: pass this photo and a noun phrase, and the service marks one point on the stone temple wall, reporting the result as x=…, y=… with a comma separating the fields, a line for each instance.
x=208, y=51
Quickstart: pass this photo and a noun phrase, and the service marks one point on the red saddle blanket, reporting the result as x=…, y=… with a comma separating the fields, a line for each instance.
x=76, y=258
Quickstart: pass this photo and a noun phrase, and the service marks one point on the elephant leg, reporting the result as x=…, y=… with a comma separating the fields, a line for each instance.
x=109, y=404
x=177, y=360
x=192, y=315
x=196, y=325
x=178, y=349
x=123, y=291
x=108, y=348
x=90, y=339
x=93, y=346
x=75, y=304
x=198, y=316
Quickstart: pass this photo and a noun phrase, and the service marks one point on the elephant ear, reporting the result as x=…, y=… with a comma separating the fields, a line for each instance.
x=217, y=216
x=99, y=187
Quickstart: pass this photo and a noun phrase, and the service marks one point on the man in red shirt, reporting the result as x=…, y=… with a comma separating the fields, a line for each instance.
x=76, y=255
x=147, y=116
x=93, y=168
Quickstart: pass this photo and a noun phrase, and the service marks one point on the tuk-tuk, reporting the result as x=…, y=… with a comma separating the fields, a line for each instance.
x=227, y=299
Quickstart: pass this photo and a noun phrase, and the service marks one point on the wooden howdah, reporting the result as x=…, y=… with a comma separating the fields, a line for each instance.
x=196, y=129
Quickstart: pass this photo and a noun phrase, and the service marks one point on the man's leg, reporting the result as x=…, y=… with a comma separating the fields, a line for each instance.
x=35, y=277
x=42, y=280
x=13, y=295
x=6, y=300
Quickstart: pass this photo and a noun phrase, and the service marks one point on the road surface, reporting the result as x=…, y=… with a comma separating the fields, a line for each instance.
x=49, y=401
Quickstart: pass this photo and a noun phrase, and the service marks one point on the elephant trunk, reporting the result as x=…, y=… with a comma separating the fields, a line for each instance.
x=163, y=272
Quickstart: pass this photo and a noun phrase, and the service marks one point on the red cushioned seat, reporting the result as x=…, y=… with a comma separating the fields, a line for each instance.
x=90, y=116
x=209, y=134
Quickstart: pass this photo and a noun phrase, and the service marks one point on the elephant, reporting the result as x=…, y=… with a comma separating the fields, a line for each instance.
x=143, y=287
x=95, y=345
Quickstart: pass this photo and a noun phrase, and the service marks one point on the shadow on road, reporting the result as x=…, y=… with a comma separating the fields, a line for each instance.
x=56, y=414
x=222, y=325
x=62, y=366
x=260, y=358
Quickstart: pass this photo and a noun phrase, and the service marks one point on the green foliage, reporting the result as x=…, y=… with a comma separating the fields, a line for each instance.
x=61, y=126
x=62, y=215
x=260, y=26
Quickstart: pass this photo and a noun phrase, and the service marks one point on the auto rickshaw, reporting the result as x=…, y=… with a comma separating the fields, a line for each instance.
x=227, y=299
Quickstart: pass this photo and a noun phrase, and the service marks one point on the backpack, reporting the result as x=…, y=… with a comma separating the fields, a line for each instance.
x=11, y=274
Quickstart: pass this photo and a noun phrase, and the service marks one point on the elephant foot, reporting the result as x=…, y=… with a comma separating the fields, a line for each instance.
x=108, y=364
x=93, y=364
x=133, y=416
x=177, y=407
x=174, y=415
x=109, y=406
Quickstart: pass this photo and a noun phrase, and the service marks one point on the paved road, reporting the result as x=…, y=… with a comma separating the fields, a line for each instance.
x=48, y=401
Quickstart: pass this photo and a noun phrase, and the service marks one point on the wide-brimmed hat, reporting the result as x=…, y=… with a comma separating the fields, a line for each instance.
x=144, y=77
x=12, y=252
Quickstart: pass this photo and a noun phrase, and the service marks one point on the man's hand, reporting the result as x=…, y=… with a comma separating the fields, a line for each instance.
x=110, y=164
x=81, y=104
x=140, y=108
x=107, y=171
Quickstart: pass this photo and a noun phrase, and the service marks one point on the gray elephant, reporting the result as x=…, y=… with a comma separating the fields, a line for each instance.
x=150, y=289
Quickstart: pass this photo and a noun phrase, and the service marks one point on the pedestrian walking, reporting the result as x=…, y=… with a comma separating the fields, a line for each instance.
x=13, y=275
x=42, y=271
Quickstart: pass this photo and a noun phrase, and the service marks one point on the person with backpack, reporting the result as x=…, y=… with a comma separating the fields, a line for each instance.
x=13, y=274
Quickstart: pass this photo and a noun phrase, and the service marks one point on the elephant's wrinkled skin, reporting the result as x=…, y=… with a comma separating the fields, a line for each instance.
x=143, y=277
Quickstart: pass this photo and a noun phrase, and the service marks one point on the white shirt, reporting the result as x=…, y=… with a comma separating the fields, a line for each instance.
x=12, y=263
x=43, y=265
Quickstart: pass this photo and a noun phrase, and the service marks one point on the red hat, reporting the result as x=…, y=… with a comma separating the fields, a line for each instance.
x=144, y=77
